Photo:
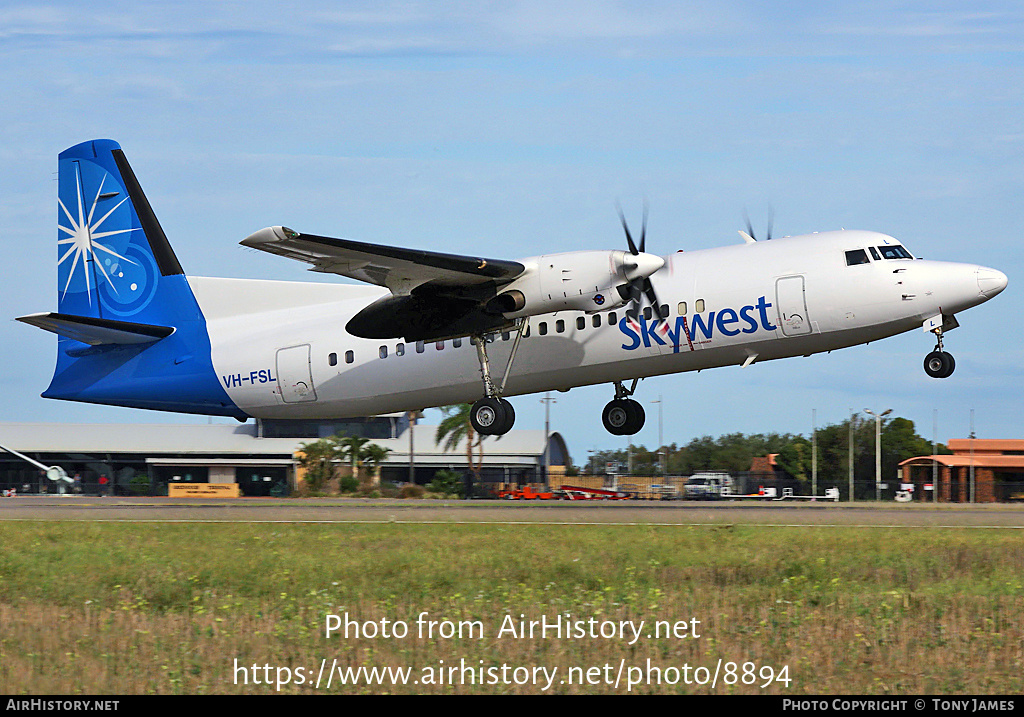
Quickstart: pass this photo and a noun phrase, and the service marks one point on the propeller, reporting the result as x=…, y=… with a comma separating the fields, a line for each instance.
x=640, y=287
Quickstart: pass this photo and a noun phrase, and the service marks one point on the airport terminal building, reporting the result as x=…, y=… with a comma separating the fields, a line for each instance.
x=994, y=466
x=259, y=456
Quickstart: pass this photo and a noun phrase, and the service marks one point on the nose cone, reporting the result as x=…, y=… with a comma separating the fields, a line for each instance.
x=641, y=265
x=990, y=281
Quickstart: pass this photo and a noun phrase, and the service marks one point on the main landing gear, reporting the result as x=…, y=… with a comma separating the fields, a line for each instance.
x=939, y=364
x=623, y=416
x=492, y=415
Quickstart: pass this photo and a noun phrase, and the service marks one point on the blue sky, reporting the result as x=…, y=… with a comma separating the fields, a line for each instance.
x=512, y=129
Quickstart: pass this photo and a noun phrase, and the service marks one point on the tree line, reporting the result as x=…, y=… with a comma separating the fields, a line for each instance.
x=732, y=453
x=735, y=452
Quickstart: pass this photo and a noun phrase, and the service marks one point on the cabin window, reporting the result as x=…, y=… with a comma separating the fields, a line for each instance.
x=420, y=346
x=439, y=345
x=698, y=306
x=400, y=350
x=560, y=326
x=874, y=253
x=681, y=309
x=596, y=321
x=581, y=323
x=857, y=256
x=383, y=352
x=457, y=343
x=542, y=329
x=612, y=318
x=648, y=311
x=505, y=336
x=332, y=359
x=894, y=251
x=349, y=357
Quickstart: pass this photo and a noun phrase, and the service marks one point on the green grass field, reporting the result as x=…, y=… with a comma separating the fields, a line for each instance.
x=213, y=608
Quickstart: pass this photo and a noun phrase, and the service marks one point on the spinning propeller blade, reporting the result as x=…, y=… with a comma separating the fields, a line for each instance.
x=750, y=227
x=640, y=287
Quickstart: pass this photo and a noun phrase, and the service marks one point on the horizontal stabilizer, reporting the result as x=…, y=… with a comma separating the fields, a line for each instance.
x=95, y=331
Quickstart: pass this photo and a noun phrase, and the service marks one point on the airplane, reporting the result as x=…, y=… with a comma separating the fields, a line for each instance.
x=424, y=327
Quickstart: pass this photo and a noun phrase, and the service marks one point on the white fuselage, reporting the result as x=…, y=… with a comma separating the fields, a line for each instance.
x=280, y=349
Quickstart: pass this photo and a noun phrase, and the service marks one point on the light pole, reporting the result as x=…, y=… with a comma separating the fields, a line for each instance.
x=849, y=452
x=661, y=439
x=412, y=447
x=814, y=451
x=878, y=449
x=547, y=401
x=935, y=463
x=971, y=484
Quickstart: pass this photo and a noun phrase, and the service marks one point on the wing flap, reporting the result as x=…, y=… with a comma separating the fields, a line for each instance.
x=396, y=268
x=97, y=332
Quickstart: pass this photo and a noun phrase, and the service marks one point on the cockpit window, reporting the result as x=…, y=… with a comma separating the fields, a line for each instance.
x=874, y=253
x=857, y=256
x=894, y=251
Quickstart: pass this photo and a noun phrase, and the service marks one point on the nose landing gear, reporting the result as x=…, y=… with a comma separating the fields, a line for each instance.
x=939, y=364
x=623, y=416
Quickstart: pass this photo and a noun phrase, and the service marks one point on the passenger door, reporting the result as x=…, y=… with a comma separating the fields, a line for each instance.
x=791, y=302
x=294, y=376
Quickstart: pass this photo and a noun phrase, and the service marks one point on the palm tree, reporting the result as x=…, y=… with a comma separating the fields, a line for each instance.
x=354, y=450
x=455, y=427
x=318, y=459
x=374, y=455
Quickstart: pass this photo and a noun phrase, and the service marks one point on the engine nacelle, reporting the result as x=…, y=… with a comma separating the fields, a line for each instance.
x=573, y=281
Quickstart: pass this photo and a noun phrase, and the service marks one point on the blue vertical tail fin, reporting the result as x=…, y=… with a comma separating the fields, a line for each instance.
x=112, y=254
x=131, y=331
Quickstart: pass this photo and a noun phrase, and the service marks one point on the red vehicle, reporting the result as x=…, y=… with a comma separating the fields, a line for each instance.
x=573, y=492
x=526, y=493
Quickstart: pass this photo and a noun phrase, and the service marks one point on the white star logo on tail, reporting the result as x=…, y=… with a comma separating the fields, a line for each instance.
x=83, y=238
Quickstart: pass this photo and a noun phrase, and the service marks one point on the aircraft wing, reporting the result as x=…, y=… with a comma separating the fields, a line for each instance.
x=400, y=270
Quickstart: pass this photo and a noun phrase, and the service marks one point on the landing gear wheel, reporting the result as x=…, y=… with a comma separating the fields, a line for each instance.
x=638, y=417
x=487, y=416
x=492, y=416
x=623, y=417
x=939, y=364
x=615, y=416
x=510, y=417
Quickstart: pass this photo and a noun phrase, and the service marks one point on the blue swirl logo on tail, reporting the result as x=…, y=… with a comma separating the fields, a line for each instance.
x=101, y=267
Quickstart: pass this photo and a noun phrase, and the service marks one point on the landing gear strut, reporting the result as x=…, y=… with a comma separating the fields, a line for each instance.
x=492, y=415
x=623, y=416
x=939, y=364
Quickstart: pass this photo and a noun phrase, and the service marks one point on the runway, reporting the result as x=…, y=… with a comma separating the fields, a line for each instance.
x=669, y=513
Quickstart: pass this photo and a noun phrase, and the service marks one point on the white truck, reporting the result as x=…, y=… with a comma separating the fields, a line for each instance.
x=708, y=486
